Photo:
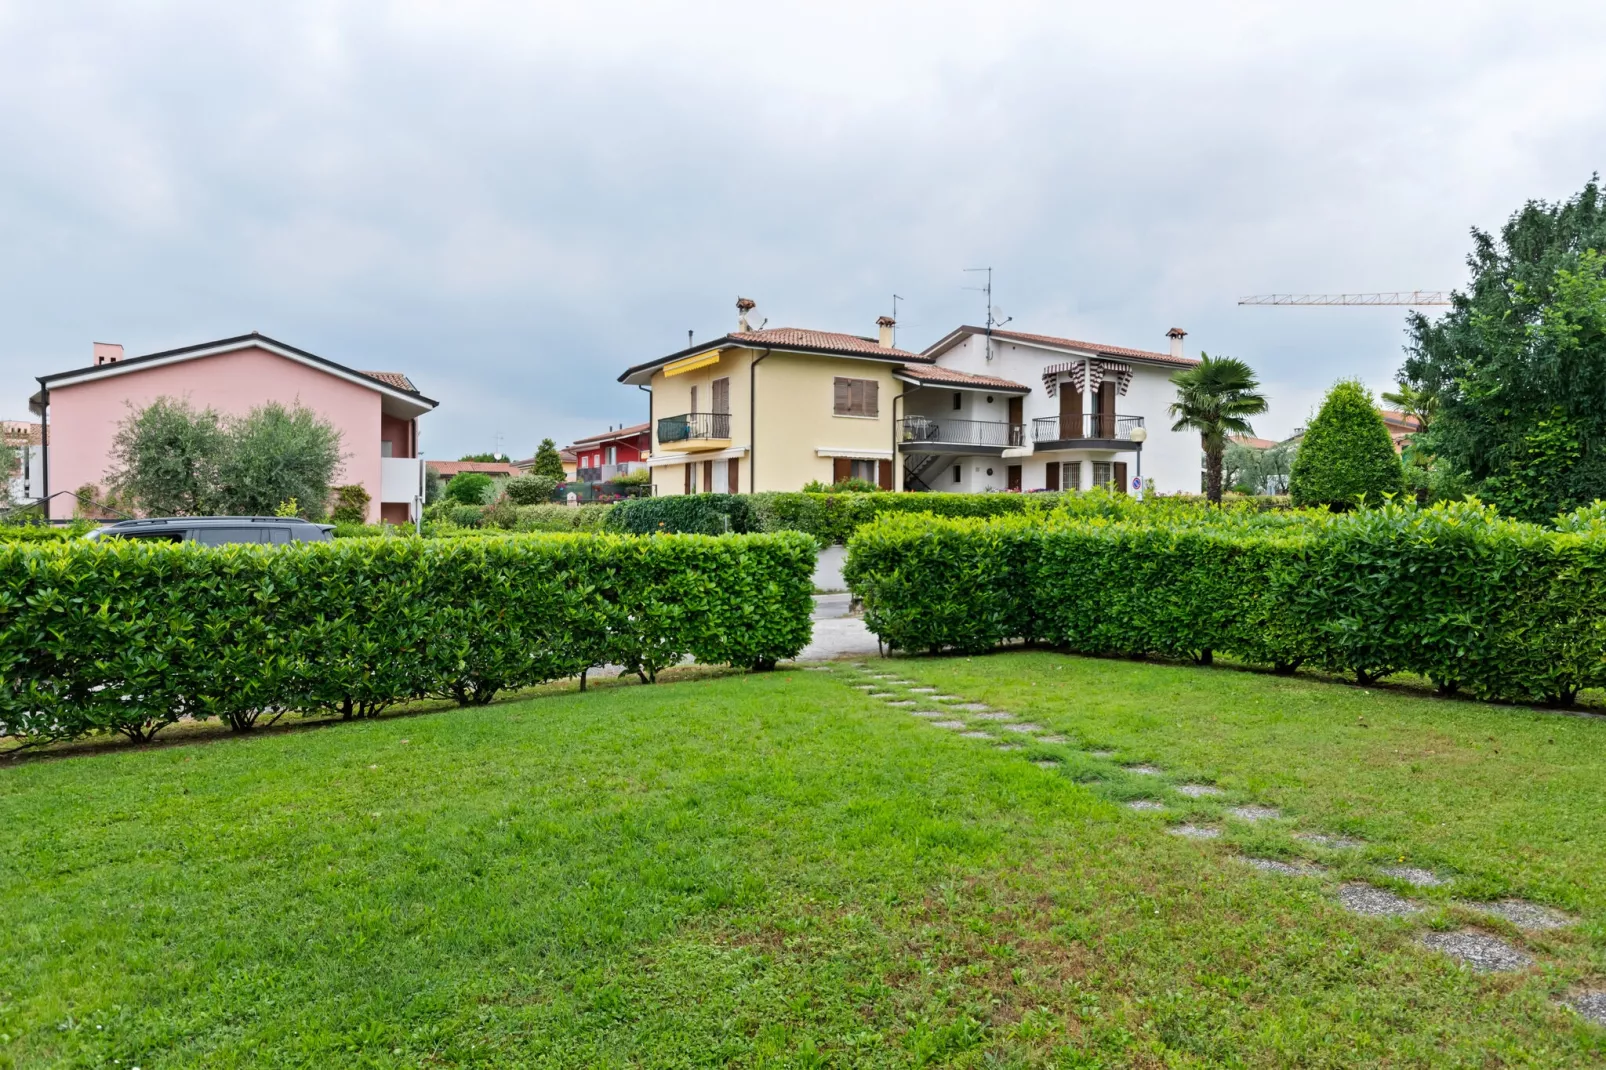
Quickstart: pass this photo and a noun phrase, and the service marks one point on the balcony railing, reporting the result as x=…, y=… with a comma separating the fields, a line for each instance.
x=1099, y=426
x=939, y=431
x=694, y=427
x=601, y=473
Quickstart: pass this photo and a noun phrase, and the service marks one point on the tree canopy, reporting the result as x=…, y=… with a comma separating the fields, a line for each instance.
x=1516, y=370
x=1346, y=456
x=547, y=461
x=1216, y=397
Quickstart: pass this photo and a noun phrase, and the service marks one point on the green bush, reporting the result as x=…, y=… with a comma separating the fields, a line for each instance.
x=41, y=533
x=530, y=489
x=704, y=514
x=350, y=504
x=1454, y=593
x=592, y=517
x=470, y=488
x=1346, y=456
x=128, y=637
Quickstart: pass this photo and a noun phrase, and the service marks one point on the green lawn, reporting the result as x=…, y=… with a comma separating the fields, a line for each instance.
x=777, y=870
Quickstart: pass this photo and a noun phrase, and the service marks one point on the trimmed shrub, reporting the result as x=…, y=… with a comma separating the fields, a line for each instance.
x=1474, y=602
x=350, y=504
x=562, y=517
x=704, y=514
x=469, y=488
x=530, y=489
x=127, y=637
x=1346, y=456
x=41, y=533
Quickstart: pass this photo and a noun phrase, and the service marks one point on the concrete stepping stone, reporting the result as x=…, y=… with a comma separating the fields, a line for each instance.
x=924, y=690
x=1255, y=813
x=864, y=687
x=996, y=715
x=899, y=683
x=928, y=713
x=1525, y=915
x=878, y=694
x=904, y=702
x=819, y=668
x=1010, y=746
x=1414, y=875
x=1484, y=953
x=974, y=735
x=1374, y=902
x=1147, y=806
x=881, y=676
x=1287, y=869
x=1022, y=726
x=945, y=698
x=1197, y=791
x=1101, y=754
x=1052, y=739
x=975, y=707
x=1141, y=770
x=1046, y=763
x=949, y=724
x=1195, y=832
x=1591, y=1005
x=1330, y=841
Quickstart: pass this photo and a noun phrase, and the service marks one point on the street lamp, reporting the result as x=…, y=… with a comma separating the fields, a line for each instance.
x=1140, y=436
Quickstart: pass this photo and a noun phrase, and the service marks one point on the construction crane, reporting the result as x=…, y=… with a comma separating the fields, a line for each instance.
x=1397, y=297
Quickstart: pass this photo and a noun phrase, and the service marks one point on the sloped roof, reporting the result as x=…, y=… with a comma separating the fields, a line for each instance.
x=1254, y=443
x=937, y=375
x=790, y=340
x=623, y=432
x=395, y=379
x=1102, y=349
x=447, y=469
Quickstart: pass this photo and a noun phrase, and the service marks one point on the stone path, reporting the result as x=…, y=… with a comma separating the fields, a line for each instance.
x=1478, y=950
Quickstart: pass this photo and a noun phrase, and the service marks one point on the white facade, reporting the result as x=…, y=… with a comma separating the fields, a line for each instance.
x=401, y=479
x=1097, y=452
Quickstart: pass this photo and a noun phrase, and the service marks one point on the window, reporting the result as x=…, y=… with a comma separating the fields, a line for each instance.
x=958, y=476
x=1103, y=474
x=865, y=470
x=694, y=399
x=722, y=395
x=613, y=454
x=225, y=536
x=959, y=400
x=386, y=449
x=150, y=536
x=1071, y=475
x=856, y=397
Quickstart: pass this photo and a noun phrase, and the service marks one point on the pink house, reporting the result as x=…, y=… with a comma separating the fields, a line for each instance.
x=376, y=413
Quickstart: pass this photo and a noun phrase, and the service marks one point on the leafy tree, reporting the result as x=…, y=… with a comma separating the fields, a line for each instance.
x=434, y=486
x=484, y=458
x=351, y=504
x=273, y=454
x=165, y=458
x=1422, y=403
x=547, y=461
x=1347, y=455
x=1258, y=471
x=10, y=465
x=1517, y=367
x=530, y=489
x=469, y=488
x=1216, y=397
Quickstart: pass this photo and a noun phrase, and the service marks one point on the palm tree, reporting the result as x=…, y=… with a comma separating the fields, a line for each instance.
x=1215, y=397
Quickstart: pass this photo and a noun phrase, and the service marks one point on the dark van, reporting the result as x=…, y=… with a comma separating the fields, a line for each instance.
x=217, y=530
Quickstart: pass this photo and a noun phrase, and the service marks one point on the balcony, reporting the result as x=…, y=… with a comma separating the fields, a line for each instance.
x=696, y=431
x=932, y=434
x=401, y=479
x=1090, y=431
x=603, y=472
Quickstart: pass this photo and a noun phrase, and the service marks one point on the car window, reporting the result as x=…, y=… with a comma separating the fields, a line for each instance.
x=220, y=536
x=279, y=535
x=147, y=536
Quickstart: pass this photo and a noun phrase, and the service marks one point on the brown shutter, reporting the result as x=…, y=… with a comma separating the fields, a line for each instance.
x=1017, y=408
x=1051, y=477
x=883, y=470
x=687, y=467
x=872, y=398
x=1106, y=410
x=1120, y=477
x=708, y=475
x=841, y=467
x=1012, y=477
x=694, y=399
x=722, y=395
x=842, y=395
x=735, y=467
x=1070, y=412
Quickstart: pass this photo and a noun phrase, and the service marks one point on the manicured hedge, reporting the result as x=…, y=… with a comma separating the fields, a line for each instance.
x=704, y=514
x=128, y=637
x=40, y=532
x=1454, y=593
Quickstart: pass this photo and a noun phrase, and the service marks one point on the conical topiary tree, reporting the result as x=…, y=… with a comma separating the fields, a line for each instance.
x=1346, y=457
x=547, y=462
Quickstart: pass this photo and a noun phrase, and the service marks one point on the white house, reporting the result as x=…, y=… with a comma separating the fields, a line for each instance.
x=24, y=436
x=1005, y=410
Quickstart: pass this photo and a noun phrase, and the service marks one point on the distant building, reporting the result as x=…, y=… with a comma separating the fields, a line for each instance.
x=495, y=469
x=27, y=438
x=376, y=412
x=598, y=458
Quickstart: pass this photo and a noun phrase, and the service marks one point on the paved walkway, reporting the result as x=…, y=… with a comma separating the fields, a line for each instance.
x=828, y=569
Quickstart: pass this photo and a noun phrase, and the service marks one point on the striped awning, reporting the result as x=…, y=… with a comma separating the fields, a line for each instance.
x=1100, y=370
x=1052, y=373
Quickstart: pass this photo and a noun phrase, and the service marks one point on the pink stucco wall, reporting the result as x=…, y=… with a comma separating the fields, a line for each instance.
x=84, y=417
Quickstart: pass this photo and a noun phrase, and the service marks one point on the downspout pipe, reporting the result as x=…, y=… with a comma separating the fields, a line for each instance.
x=44, y=443
x=652, y=432
x=752, y=423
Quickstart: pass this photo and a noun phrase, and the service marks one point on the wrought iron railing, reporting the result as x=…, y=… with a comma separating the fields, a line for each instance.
x=694, y=426
x=941, y=431
x=1097, y=425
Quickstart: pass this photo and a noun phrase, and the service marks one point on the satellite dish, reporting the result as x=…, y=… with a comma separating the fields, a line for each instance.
x=999, y=319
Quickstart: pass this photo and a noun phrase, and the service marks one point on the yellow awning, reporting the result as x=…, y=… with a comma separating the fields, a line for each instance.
x=692, y=363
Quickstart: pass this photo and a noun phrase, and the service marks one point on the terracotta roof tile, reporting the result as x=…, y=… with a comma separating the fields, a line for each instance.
x=1072, y=343
x=933, y=373
x=825, y=341
x=1254, y=443
x=395, y=379
x=21, y=432
x=623, y=432
x=447, y=469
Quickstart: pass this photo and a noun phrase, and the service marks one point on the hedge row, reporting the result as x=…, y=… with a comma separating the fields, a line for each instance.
x=1471, y=601
x=128, y=637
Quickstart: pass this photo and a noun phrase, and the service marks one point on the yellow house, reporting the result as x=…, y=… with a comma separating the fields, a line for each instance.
x=775, y=409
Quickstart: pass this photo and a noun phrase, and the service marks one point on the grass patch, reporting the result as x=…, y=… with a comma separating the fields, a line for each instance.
x=777, y=870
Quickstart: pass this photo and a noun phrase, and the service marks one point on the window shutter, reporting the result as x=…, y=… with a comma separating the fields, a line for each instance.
x=841, y=468
x=687, y=467
x=693, y=399
x=1051, y=478
x=735, y=468
x=872, y=402
x=885, y=473
x=722, y=395
x=708, y=475
x=842, y=399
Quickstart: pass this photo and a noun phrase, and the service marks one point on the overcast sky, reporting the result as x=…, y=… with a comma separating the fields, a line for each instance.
x=512, y=202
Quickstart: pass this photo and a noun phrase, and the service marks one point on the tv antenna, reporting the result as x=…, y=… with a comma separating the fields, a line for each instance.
x=995, y=315
x=895, y=300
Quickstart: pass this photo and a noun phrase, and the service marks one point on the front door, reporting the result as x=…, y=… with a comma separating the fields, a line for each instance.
x=1120, y=477
x=1017, y=417
x=1014, y=477
x=1106, y=410
x=1070, y=412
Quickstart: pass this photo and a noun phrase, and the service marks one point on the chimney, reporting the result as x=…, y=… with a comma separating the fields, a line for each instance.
x=107, y=353
x=1176, y=334
x=744, y=305
x=886, y=323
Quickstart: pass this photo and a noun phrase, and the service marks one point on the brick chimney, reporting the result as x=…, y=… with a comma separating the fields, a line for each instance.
x=1176, y=334
x=108, y=353
x=886, y=324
